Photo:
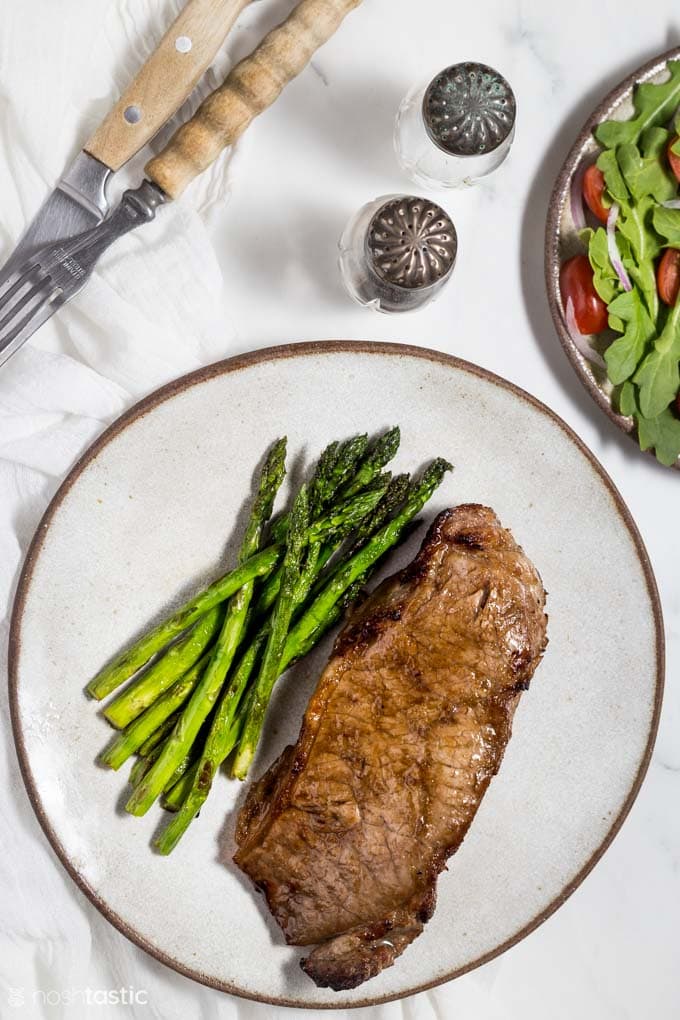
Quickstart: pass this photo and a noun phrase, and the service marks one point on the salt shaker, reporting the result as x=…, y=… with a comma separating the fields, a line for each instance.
x=457, y=128
x=397, y=253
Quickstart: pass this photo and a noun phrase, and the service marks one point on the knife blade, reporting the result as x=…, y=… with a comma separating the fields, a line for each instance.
x=77, y=204
x=79, y=201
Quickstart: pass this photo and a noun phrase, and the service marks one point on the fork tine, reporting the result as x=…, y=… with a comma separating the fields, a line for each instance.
x=14, y=281
x=9, y=281
x=24, y=288
x=28, y=309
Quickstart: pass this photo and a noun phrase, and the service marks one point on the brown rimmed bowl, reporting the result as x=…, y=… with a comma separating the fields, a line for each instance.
x=561, y=238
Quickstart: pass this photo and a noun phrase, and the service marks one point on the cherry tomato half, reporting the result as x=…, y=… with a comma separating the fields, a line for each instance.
x=668, y=276
x=673, y=159
x=576, y=282
x=593, y=189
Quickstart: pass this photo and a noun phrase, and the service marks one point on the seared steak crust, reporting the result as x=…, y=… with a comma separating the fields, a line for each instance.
x=347, y=832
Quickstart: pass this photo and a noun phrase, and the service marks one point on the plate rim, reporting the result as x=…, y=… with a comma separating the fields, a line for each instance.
x=558, y=198
x=205, y=374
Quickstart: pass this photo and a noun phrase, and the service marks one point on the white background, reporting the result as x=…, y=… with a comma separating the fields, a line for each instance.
x=217, y=277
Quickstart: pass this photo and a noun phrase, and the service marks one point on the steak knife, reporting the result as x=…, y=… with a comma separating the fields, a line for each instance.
x=39, y=284
x=165, y=81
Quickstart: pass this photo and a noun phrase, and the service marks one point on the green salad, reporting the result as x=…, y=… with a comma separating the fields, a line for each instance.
x=629, y=281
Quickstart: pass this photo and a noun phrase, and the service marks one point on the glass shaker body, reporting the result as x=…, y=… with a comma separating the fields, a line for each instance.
x=456, y=128
x=397, y=253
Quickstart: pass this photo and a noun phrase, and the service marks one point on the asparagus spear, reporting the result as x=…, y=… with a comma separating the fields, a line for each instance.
x=145, y=726
x=321, y=478
x=189, y=763
x=220, y=743
x=334, y=471
x=129, y=661
x=185, y=766
x=395, y=495
x=179, y=658
x=335, y=614
x=142, y=766
x=380, y=453
x=280, y=622
x=374, y=549
x=158, y=736
x=344, y=517
x=336, y=525
x=181, y=780
x=206, y=692
x=313, y=622
x=174, y=797
x=334, y=466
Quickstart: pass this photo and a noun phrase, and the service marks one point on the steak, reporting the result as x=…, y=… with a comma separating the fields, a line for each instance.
x=348, y=830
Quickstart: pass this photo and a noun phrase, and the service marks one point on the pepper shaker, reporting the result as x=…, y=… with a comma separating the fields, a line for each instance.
x=397, y=253
x=457, y=128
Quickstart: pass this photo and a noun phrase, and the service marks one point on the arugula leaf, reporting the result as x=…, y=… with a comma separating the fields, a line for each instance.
x=613, y=178
x=623, y=355
x=632, y=224
x=627, y=401
x=645, y=175
x=662, y=434
x=653, y=143
x=654, y=104
x=605, y=280
x=659, y=374
x=667, y=223
x=644, y=277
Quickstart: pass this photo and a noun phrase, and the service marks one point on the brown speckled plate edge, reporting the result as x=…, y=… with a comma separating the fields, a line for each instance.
x=559, y=198
x=298, y=350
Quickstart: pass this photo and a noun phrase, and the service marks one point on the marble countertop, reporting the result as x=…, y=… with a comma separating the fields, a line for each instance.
x=611, y=952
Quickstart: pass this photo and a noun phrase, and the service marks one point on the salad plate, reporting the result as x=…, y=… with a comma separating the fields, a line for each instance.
x=618, y=384
x=144, y=519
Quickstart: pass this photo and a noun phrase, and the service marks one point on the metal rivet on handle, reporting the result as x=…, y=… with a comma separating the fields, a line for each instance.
x=183, y=44
x=133, y=115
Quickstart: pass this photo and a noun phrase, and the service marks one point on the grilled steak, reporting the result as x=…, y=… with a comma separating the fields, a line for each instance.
x=347, y=832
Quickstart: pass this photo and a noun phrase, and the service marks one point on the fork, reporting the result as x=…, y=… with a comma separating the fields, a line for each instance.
x=58, y=271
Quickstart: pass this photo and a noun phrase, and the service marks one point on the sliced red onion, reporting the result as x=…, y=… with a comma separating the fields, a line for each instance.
x=580, y=342
x=613, y=248
x=576, y=197
x=674, y=203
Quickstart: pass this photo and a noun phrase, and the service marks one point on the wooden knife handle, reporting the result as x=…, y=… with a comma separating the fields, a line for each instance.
x=249, y=89
x=167, y=78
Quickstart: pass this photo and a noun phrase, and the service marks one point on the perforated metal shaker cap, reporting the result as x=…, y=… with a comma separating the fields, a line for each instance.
x=469, y=109
x=411, y=243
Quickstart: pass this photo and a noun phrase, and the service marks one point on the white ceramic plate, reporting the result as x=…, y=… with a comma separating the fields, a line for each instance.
x=142, y=520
